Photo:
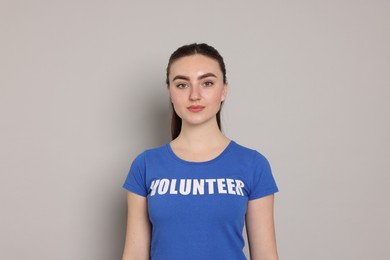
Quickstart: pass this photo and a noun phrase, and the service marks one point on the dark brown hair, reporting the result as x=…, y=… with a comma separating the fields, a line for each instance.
x=188, y=50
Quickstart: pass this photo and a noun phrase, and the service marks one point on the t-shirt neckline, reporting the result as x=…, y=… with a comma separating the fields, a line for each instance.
x=177, y=158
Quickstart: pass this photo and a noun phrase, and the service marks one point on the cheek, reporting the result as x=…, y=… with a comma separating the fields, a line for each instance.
x=215, y=97
x=175, y=99
x=177, y=102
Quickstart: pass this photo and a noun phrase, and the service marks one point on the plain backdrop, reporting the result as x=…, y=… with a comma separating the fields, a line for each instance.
x=82, y=93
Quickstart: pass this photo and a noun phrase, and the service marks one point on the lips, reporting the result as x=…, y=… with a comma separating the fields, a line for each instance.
x=196, y=108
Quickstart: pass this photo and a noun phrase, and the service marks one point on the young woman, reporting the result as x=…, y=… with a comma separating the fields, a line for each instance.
x=189, y=198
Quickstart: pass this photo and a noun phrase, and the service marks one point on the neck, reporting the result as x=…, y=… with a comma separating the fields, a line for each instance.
x=197, y=136
x=205, y=134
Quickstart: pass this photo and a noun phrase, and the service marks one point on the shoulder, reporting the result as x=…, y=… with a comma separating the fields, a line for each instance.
x=249, y=154
x=151, y=153
x=258, y=174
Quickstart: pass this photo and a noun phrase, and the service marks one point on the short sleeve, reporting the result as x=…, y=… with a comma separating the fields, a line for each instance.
x=135, y=181
x=263, y=183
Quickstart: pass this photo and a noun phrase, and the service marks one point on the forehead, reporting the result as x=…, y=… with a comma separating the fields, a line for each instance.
x=195, y=65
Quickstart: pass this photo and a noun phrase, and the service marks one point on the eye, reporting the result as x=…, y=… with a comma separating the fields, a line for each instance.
x=181, y=85
x=208, y=84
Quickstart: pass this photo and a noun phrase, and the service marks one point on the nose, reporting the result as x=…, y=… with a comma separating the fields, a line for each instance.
x=195, y=93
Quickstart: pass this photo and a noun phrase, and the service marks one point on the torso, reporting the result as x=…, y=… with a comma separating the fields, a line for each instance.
x=197, y=209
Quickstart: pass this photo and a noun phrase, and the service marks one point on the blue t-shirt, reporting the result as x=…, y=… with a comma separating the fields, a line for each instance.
x=197, y=209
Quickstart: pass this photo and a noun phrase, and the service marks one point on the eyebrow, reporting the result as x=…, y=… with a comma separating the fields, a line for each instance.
x=200, y=77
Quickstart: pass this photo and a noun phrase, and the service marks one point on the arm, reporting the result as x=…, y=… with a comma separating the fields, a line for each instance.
x=260, y=229
x=138, y=233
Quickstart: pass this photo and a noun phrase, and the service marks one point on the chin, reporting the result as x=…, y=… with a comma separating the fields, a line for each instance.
x=198, y=121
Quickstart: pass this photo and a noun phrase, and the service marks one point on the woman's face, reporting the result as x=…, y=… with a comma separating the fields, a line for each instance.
x=196, y=88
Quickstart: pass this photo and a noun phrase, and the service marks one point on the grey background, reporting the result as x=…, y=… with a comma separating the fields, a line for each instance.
x=82, y=93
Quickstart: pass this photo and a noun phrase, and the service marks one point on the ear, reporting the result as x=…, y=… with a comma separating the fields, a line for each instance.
x=168, y=89
x=224, y=91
